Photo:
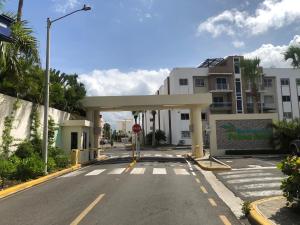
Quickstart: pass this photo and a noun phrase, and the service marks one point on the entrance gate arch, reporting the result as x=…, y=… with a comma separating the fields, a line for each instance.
x=194, y=102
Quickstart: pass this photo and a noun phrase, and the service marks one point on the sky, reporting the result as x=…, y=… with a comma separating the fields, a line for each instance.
x=128, y=47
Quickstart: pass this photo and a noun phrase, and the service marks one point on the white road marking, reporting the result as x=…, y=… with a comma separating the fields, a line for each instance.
x=239, y=172
x=260, y=185
x=193, y=173
x=261, y=168
x=181, y=172
x=245, y=180
x=229, y=161
x=95, y=172
x=117, y=171
x=247, y=175
x=254, y=166
x=147, y=155
x=197, y=180
x=73, y=174
x=159, y=171
x=170, y=156
x=158, y=155
x=179, y=156
x=261, y=193
x=125, y=156
x=138, y=171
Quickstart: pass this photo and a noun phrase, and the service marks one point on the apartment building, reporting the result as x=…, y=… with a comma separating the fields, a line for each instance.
x=278, y=90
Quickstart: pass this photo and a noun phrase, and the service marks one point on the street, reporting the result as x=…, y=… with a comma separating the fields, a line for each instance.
x=162, y=188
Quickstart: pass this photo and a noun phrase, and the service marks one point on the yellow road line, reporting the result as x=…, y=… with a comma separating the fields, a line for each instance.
x=212, y=202
x=87, y=210
x=131, y=165
x=197, y=180
x=203, y=190
x=224, y=220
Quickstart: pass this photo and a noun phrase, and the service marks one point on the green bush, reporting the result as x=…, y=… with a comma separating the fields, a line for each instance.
x=30, y=168
x=6, y=170
x=291, y=185
x=51, y=165
x=159, y=136
x=25, y=150
x=60, y=157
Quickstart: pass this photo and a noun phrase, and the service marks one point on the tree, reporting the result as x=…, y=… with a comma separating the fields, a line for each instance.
x=159, y=136
x=106, y=130
x=135, y=116
x=252, y=74
x=293, y=53
x=20, y=10
x=153, y=112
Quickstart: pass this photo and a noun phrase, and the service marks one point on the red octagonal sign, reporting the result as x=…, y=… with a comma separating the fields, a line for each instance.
x=136, y=128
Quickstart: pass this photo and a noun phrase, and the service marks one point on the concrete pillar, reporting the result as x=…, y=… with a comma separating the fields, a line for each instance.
x=196, y=128
x=97, y=129
x=90, y=117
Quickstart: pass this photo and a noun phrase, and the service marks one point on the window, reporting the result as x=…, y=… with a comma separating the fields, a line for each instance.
x=298, y=98
x=284, y=81
x=286, y=98
x=221, y=83
x=218, y=99
x=203, y=116
x=298, y=82
x=236, y=65
x=199, y=82
x=287, y=115
x=185, y=116
x=269, y=99
x=185, y=134
x=267, y=82
x=238, y=86
x=183, y=82
x=84, y=142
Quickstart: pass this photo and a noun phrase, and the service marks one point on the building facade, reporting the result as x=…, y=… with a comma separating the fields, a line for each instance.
x=277, y=91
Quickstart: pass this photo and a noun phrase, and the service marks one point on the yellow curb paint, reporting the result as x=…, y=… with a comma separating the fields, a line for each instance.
x=255, y=214
x=212, y=202
x=28, y=184
x=203, y=190
x=87, y=210
x=224, y=220
x=197, y=180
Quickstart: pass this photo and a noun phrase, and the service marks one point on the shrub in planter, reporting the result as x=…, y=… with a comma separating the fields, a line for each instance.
x=51, y=165
x=30, y=168
x=60, y=157
x=291, y=185
x=25, y=150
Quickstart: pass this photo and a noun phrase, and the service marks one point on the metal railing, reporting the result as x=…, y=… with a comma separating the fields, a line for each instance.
x=221, y=104
x=222, y=86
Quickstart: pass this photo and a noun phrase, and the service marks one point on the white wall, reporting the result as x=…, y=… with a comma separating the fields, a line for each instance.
x=21, y=124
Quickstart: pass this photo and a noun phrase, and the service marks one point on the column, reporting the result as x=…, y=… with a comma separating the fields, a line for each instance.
x=97, y=128
x=90, y=117
x=196, y=128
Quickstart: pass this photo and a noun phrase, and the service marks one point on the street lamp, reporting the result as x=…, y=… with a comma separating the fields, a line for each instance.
x=47, y=75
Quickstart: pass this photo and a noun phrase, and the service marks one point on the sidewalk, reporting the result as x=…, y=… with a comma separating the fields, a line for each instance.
x=210, y=163
x=273, y=211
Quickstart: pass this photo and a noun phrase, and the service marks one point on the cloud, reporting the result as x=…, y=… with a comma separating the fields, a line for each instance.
x=271, y=55
x=270, y=14
x=62, y=6
x=115, y=82
x=238, y=44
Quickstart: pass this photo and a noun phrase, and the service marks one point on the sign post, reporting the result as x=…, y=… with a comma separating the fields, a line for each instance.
x=136, y=128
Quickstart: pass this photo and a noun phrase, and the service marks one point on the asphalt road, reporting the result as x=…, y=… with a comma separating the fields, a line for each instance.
x=252, y=178
x=157, y=190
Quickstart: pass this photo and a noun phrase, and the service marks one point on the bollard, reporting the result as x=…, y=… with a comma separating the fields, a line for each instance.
x=74, y=157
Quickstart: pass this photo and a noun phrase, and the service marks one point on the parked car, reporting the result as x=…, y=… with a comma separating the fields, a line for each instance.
x=295, y=146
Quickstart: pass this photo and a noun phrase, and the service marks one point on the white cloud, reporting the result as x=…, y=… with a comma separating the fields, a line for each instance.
x=272, y=56
x=270, y=14
x=62, y=6
x=115, y=82
x=238, y=44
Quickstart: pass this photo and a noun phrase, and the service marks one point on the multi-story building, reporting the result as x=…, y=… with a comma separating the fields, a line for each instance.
x=277, y=90
x=124, y=126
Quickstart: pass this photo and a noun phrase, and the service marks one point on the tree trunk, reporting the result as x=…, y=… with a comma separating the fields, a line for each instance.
x=20, y=11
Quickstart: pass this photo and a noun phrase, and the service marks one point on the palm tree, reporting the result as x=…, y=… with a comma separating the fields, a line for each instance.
x=153, y=112
x=293, y=53
x=20, y=10
x=252, y=74
x=135, y=116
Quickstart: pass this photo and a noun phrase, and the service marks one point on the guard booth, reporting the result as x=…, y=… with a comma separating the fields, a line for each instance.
x=76, y=137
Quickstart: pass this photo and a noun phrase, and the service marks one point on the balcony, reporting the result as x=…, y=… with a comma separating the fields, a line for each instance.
x=261, y=88
x=221, y=106
x=267, y=107
x=221, y=88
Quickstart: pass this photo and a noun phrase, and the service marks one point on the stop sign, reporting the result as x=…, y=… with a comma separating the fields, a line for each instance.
x=136, y=128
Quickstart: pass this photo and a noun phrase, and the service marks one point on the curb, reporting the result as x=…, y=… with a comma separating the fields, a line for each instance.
x=255, y=214
x=227, y=167
x=23, y=186
x=28, y=184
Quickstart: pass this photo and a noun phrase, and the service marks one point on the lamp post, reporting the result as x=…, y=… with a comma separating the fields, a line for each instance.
x=47, y=78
